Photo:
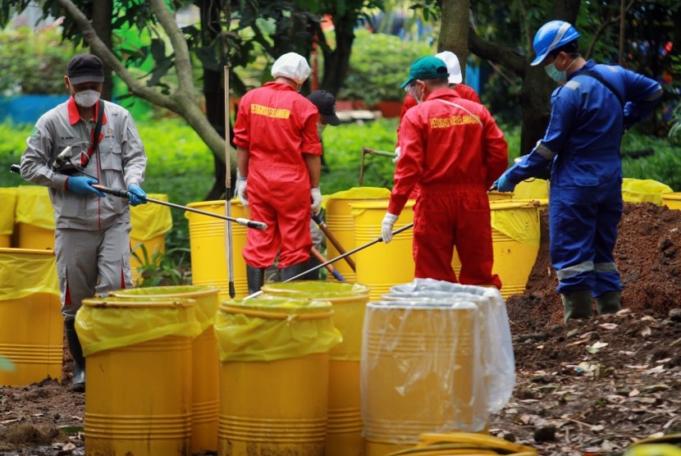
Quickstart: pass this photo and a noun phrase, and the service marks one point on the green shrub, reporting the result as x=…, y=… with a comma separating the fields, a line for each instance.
x=33, y=61
x=378, y=65
x=343, y=152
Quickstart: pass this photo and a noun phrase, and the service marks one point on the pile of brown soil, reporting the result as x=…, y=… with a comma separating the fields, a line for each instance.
x=648, y=255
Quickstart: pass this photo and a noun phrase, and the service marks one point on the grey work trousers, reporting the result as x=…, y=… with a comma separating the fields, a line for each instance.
x=91, y=263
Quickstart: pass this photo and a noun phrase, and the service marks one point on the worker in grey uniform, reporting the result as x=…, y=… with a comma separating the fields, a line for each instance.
x=92, y=242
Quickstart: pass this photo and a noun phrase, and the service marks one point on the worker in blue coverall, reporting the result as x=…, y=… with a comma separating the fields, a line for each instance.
x=589, y=113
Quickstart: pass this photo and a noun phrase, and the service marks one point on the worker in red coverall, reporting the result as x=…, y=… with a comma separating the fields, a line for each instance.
x=453, y=149
x=455, y=82
x=278, y=159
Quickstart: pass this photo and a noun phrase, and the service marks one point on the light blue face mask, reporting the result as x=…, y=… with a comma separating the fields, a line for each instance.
x=555, y=74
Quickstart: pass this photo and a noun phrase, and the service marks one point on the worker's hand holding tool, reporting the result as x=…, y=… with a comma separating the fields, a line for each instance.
x=387, y=226
x=316, y=199
x=82, y=185
x=241, y=186
x=136, y=195
x=503, y=184
x=398, y=151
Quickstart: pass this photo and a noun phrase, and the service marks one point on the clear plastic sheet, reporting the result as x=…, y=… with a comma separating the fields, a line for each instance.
x=498, y=361
x=436, y=357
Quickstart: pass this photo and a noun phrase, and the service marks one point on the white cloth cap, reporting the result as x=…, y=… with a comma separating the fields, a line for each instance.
x=453, y=67
x=292, y=66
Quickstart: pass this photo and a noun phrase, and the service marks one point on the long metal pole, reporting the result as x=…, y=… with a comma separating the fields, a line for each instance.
x=229, y=246
x=338, y=258
x=241, y=221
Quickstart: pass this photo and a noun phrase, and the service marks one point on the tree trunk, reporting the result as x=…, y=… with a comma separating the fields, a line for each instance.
x=537, y=88
x=454, y=30
x=536, y=91
x=213, y=89
x=102, y=12
x=337, y=62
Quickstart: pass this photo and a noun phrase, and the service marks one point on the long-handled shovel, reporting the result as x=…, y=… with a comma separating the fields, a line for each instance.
x=124, y=194
x=339, y=257
x=229, y=247
x=332, y=239
x=329, y=267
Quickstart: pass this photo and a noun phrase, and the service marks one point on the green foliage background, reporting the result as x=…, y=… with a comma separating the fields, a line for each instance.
x=33, y=62
x=380, y=66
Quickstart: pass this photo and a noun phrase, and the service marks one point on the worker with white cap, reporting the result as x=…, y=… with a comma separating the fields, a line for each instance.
x=455, y=80
x=278, y=159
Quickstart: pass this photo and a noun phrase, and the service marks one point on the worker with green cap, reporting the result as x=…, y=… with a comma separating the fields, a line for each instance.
x=454, y=150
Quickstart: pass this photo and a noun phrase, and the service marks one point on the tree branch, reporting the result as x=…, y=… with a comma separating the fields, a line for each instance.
x=184, y=101
x=183, y=65
x=602, y=28
x=502, y=55
x=102, y=51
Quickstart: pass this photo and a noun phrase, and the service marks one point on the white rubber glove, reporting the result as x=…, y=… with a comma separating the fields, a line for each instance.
x=398, y=151
x=387, y=226
x=316, y=199
x=241, y=187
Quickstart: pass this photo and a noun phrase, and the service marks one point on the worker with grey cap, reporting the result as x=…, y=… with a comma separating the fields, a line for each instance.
x=79, y=143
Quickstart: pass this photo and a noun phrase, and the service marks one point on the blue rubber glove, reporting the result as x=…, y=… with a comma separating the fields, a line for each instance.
x=82, y=185
x=504, y=184
x=136, y=195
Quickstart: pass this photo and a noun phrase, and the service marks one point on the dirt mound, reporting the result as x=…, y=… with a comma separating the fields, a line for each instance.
x=648, y=255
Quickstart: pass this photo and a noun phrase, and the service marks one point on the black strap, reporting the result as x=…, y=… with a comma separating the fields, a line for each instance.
x=592, y=73
x=98, y=125
x=95, y=136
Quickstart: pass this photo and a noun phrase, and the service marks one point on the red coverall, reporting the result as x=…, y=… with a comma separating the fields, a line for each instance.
x=277, y=125
x=454, y=152
x=461, y=90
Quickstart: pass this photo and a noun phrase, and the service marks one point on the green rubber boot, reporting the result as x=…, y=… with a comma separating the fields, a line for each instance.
x=609, y=303
x=577, y=304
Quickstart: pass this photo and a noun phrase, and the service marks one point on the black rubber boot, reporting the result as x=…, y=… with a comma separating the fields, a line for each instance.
x=309, y=264
x=292, y=271
x=609, y=303
x=255, y=278
x=78, y=380
x=577, y=304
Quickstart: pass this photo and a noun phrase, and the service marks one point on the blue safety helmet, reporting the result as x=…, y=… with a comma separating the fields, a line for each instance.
x=550, y=36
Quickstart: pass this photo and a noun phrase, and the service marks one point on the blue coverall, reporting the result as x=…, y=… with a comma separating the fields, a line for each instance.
x=582, y=146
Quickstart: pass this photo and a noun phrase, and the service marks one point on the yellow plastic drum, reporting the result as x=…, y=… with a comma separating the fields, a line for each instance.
x=8, y=198
x=34, y=218
x=274, y=377
x=342, y=224
x=204, y=359
x=672, y=200
x=382, y=265
x=499, y=196
x=515, y=240
x=644, y=191
x=138, y=396
x=207, y=242
x=32, y=326
x=532, y=190
x=149, y=225
x=344, y=431
x=408, y=349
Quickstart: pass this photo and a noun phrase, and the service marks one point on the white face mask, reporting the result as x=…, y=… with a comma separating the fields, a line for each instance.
x=86, y=98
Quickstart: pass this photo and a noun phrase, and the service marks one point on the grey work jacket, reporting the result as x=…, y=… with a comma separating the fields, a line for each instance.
x=118, y=162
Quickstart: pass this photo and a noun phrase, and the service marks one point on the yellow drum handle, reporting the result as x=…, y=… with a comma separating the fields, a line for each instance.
x=473, y=438
x=276, y=315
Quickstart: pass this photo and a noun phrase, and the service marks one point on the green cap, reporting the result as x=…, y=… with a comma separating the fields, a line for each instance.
x=425, y=68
